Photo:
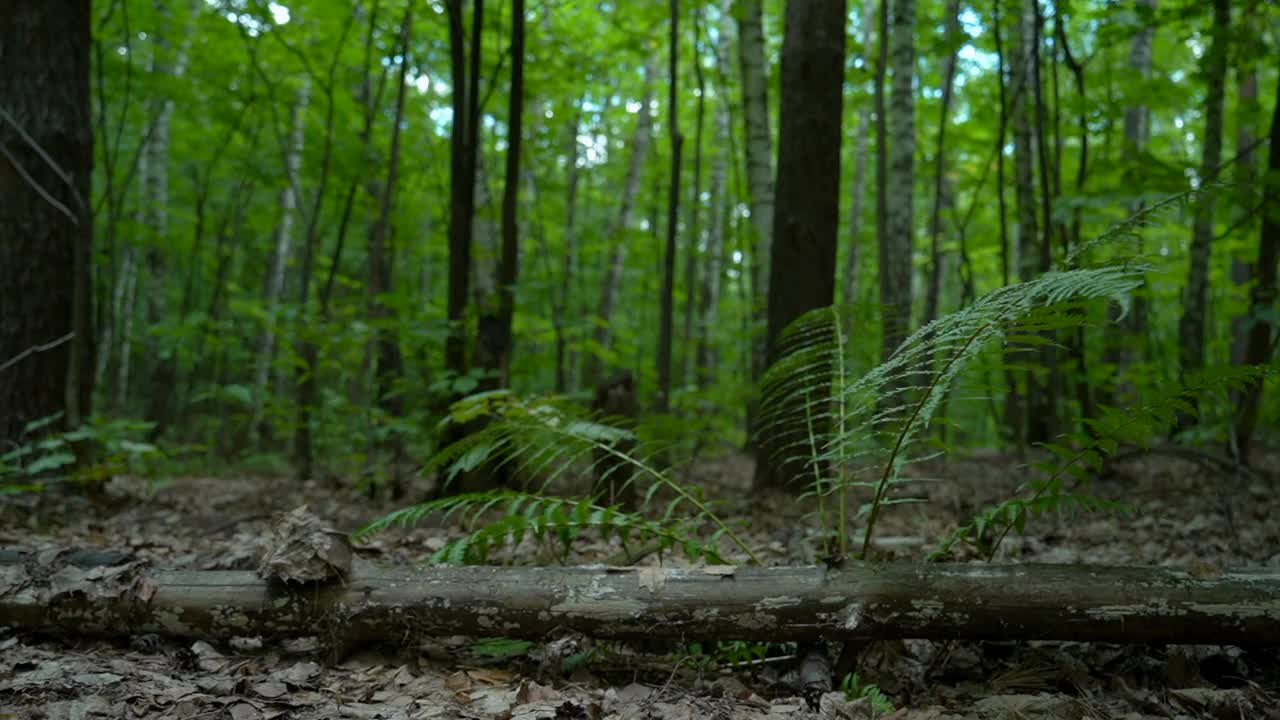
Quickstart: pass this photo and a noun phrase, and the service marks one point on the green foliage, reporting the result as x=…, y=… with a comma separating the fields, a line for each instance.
x=858, y=431
x=504, y=518
x=544, y=440
x=855, y=689
x=500, y=647
x=48, y=458
x=877, y=419
x=1075, y=457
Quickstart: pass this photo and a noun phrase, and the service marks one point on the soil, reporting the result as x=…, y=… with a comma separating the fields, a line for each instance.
x=1186, y=510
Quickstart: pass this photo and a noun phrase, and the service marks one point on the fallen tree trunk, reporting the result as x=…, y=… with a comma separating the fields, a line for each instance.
x=90, y=593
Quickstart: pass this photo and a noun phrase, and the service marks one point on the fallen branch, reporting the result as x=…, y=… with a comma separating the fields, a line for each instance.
x=104, y=594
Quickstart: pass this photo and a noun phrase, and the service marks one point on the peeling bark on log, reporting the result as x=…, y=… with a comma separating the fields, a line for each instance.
x=106, y=594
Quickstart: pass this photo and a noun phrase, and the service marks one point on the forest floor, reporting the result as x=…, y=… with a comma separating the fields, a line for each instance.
x=1186, y=513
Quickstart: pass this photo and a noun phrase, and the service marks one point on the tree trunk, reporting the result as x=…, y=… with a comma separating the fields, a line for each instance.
x=936, y=265
x=618, y=229
x=865, y=118
x=464, y=135
x=95, y=593
x=389, y=367
x=1258, y=347
x=666, y=322
x=1127, y=336
x=125, y=301
x=495, y=341
x=709, y=303
x=1027, y=228
x=46, y=161
x=896, y=248
x=566, y=360
x=694, y=232
x=802, y=271
x=163, y=370
x=759, y=158
x=1042, y=382
x=280, y=259
x=1191, y=326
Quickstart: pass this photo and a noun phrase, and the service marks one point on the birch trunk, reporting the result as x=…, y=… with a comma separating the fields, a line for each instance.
x=710, y=301
x=617, y=232
x=759, y=143
x=937, y=257
x=279, y=262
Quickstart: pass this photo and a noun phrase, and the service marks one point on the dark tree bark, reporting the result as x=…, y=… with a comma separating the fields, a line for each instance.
x=666, y=321
x=936, y=259
x=694, y=231
x=495, y=342
x=1042, y=383
x=806, y=220
x=897, y=238
x=46, y=162
x=1258, y=346
x=1191, y=326
x=464, y=134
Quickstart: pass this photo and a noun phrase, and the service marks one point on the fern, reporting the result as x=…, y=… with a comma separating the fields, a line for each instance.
x=1076, y=456
x=819, y=413
x=544, y=518
x=548, y=439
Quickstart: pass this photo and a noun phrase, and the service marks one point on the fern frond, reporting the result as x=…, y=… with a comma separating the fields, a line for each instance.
x=505, y=518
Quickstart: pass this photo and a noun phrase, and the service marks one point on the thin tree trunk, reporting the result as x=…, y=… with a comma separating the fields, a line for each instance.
x=618, y=229
x=1013, y=414
x=666, y=323
x=882, y=162
x=1259, y=346
x=1246, y=176
x=1126, y=336
x=936, y=263
x=389, y=367
x=162, y=360
x=758, y=149
x=1042, y=393
x=126, y=295
x=865, y=118
x=464, y=134
x=1077, y=346
x=1023, y=250
x=280, y=258
x=898, y=238
x=694, y=233
x=305, y=376
x=710, y=299
x=1191, y=326
x=566, y=361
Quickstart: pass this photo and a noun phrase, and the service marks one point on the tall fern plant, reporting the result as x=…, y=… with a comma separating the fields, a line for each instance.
x=856, y=432
x=542, y=441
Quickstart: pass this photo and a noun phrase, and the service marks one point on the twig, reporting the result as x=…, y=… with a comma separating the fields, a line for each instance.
x=4, y=150
x=36, y=349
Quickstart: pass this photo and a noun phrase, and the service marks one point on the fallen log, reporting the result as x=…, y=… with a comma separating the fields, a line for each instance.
x=107, y=594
